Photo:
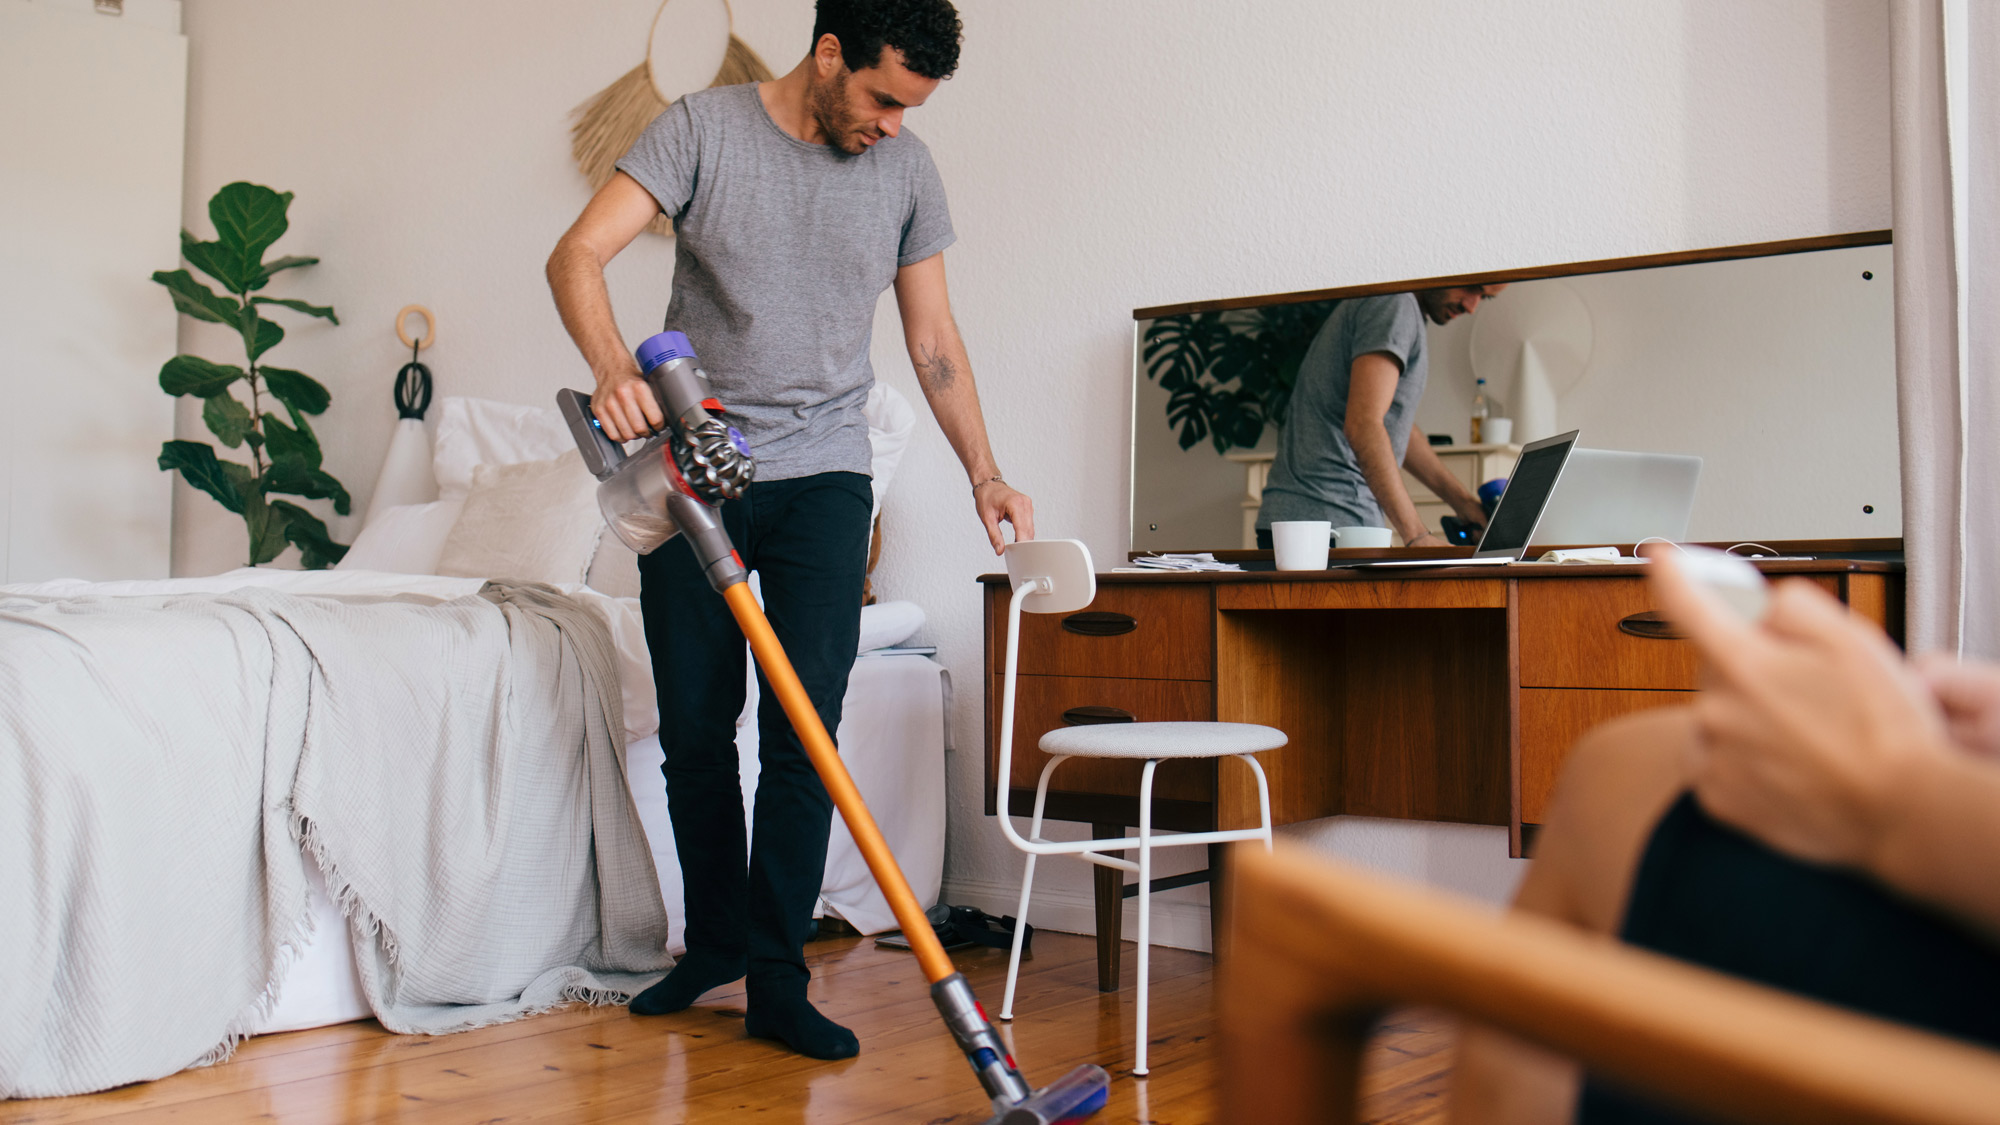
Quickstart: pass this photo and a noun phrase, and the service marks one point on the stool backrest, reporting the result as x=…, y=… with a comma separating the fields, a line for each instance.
x=1063, y=563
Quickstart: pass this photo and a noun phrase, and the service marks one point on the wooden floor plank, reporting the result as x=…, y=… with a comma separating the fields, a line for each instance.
x=605, y=1065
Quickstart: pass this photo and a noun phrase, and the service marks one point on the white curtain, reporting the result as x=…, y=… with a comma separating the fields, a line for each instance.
x=1945, y=81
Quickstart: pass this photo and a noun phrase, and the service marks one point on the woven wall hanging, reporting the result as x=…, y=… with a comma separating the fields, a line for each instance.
x=692, y=46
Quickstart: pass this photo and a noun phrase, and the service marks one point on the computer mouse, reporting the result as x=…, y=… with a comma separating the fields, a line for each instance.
x=1458, y=532
x=1730, y=578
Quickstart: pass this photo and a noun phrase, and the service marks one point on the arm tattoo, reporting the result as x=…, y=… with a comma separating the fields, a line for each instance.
x=935, y=368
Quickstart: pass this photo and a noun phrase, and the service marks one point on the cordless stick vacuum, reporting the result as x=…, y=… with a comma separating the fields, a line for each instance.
x=670, y=487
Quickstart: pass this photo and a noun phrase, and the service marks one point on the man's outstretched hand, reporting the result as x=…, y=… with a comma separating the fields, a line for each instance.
x=1001, y=501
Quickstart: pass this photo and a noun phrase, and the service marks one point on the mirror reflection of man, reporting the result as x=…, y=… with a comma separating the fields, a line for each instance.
x=1353, y=408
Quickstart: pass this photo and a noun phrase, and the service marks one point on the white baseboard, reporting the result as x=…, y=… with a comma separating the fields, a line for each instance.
x=1177, y=922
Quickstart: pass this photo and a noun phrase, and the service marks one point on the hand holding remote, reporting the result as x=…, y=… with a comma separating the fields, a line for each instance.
x=1809, y=722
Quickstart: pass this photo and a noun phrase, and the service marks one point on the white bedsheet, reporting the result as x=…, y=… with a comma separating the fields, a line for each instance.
x=892, y=737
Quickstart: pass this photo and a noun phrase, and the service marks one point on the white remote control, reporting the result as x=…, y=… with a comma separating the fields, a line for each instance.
x=1729, y=577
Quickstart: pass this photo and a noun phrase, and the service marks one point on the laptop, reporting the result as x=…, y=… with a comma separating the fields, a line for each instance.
x=1520, y=509
x=1614, y=496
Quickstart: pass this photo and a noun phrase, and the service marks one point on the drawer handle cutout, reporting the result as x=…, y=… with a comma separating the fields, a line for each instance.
x=1099, y=624
x=1651, y=626
x=1092, y=716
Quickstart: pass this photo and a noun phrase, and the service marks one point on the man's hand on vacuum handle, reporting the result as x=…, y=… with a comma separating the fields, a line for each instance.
x=621, y=209
x=624, y=403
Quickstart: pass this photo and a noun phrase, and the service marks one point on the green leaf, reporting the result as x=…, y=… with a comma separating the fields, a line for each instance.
x=289, y=262
x=267, y=524
x=298, y=391
x=259, y=335
x=197, y=300
x=323, y=311
x=193, y=375
x=317, y=550
x=228, y=419
x=293, y=478
x=286, y=443
x=243, y=480
x=249, y=218
x=197, y=463
x=217, y=261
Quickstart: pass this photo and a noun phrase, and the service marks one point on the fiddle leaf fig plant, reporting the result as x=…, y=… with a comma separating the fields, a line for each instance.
x=1230, y=374
x=240, y=404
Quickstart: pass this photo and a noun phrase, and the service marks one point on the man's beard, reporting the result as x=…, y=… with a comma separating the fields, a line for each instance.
x=827, y=100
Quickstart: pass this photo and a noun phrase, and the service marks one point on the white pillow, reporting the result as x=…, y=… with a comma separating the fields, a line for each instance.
x=889, y=623
x=476, y=431
x=890, y=424
x=404, y=539
x=615, y=570
x=534, y=521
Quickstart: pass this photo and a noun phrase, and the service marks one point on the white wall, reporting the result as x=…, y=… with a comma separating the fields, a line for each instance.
x=90, y=171
x=1100, y=156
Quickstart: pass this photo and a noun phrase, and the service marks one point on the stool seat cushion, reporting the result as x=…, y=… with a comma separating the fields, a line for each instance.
x=1162, y=740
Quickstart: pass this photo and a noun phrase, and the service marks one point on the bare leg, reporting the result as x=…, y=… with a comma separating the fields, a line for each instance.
x=1619, y=780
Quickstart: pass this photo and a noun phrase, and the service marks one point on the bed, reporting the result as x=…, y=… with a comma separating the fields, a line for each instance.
x=327, y=963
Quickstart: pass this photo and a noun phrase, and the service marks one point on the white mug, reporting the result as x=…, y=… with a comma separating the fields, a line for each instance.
x=1360, y=537
x=1300, y=544
x=1499, y=431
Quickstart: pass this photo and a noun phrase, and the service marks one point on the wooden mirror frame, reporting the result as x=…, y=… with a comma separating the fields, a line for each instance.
x=1532, y=273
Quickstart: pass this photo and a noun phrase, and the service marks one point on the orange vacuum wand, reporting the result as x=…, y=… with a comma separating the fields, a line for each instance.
x=666, y=491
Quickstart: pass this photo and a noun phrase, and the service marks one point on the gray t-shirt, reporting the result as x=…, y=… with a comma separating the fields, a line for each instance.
x=782, y=250
x=1316, y=475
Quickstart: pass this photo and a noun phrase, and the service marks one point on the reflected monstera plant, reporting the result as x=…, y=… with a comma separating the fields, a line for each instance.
x=240, y=404
x=1230, y=374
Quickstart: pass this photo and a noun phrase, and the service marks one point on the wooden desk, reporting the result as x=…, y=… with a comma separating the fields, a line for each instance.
x=1448, y=694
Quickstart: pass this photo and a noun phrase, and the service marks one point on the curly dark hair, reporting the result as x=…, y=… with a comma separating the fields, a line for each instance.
x=925, y=31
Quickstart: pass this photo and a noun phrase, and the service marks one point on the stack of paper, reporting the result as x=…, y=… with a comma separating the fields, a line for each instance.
x=1201, y=561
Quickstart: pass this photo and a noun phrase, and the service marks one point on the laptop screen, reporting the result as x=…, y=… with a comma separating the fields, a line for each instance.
x=1528, y=491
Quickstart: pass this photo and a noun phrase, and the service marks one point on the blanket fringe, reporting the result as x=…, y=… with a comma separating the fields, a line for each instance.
x=343, y=894
x=291, y=947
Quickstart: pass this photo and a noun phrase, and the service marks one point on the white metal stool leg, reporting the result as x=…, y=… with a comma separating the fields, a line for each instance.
x=1263, y=797
x=1145, y=904
x=1027, y=885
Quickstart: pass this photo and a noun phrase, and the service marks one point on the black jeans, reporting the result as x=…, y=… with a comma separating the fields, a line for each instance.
x=808, y=539
x=1706, y=893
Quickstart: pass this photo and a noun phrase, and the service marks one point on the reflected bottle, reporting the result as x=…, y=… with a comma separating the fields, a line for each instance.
x=1482, y=409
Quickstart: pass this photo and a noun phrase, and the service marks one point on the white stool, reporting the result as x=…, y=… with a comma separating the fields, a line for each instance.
x=1056, y=576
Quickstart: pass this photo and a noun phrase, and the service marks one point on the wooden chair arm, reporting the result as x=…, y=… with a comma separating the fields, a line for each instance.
x=1318, y=950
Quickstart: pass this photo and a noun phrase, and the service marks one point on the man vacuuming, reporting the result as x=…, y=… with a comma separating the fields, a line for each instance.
x=795, y=204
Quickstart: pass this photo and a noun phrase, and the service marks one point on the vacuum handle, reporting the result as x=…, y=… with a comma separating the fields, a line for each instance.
x=601, y=455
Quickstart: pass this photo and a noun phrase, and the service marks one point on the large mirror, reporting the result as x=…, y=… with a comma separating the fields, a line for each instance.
x=1775, y=364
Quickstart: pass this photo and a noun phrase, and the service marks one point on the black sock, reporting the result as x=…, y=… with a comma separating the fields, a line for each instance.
x=792, y=1020
x=691, y=976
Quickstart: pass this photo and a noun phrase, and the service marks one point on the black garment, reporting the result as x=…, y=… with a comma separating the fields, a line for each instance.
x=808, y=539
x=1708, y=894
x=1264, y=539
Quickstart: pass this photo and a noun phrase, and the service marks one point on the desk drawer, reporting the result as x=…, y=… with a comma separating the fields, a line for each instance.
x=1590, y=633
x=1552, y=719
x=1132, y=632
x=1041, y=708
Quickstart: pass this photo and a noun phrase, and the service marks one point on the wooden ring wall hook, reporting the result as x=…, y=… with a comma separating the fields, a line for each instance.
x=430, y=327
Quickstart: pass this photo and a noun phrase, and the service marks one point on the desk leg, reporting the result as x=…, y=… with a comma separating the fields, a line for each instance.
x=1217, y=926
x=1109, y=884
